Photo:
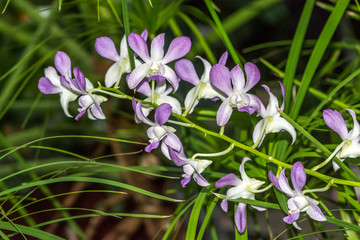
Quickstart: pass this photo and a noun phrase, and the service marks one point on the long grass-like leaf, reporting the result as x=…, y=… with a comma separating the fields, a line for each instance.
x=195, y=214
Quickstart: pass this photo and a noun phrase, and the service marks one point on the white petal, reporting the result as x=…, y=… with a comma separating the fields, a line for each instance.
x=51, y=74
x=65, y=98
x=278, y=124
x=115, y=72
x=189, y=98
x=258, y=132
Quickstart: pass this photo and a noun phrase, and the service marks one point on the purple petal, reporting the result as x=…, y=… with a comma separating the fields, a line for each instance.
x=240, y=217
x=81, y=112
x=144, y=88
x=64, y=82
x=220, y=78
x=186, y=71
x=335, y=121
x=140, y=114
x=224, y=113
x=173, y=141
x=284, y=184
x=62, y=63
x=152, y=146
x=106, y=48
x=176, y=157
x=274, y=180
x=157, y=47
x=171, y=77
x=144, y=34
x=200, y=180
x=252, y=75
x=138, y=45
x=237, y=78
x=97, y=112
x=162, y=113
x=249, y=110
x=283, y=95
x=46, y=87
x=230, y=179
x=80, y=78
x=137, y=75
x=178, y=48
x=315, y=213
x=291, y=218
x=223, y=58
x=224, y=205
x=298, y=177
x=185, y=181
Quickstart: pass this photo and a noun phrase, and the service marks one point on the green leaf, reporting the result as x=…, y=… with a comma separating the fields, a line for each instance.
x=195, y=214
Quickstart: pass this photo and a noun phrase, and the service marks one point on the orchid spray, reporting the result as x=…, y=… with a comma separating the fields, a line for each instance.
x=169, y=116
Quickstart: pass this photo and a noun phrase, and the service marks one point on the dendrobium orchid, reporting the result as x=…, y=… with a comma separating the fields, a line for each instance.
x=272, y=121
x=160, y=96
x=298, y=202
x=158, y=131
x=154, y=66
x=350, y=146
x=203, y=87
x=106, y=48
x=241, y=188
x=232, y=84
x=191, y=167
x=70, y=88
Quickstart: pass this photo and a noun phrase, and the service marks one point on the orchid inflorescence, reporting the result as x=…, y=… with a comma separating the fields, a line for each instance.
x=154, y=78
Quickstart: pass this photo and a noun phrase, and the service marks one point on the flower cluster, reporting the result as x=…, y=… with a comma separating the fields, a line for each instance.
x=154, y=78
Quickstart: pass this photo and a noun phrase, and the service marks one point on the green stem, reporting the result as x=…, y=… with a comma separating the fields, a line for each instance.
x=152, y=91
x=213, y=154
x=264, y=189
x=337, y=149
x=108, y=93
x=324, y=189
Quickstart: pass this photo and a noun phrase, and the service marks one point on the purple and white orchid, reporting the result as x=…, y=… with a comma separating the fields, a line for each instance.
x=191, y=167
x=241, y=188
x=272, y=121
x=202, y=87
x=350, y=146
x=106, y=48
x=70, y=88
x=154, y=66
x=298, y=202
x=158, y=131
x=160, y=97
x=232, y=84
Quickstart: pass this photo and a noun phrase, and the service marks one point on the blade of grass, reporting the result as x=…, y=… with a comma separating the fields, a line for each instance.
x=195, y=214
x=127, y=31
x=209, y=213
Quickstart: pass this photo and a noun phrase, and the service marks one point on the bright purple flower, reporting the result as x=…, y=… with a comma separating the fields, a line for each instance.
x=154, y=67
x=158, y=131
x=161, y=96
x=298, y=202
x=191, y=167
x=272, y=121
x=232, y=84
x=106, y=48
x=241, y=188
x=350, y=146
x=70, y=88
x=202, y=87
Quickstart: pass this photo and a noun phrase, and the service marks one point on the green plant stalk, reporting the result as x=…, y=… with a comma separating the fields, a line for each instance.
x=127, y=31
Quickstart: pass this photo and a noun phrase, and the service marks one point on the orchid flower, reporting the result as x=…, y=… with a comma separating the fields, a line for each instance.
x=350, y=146
x=191, y=167
x=232, y=84
x=158, y=131
x=160, y=97
x=69, y=88
x=154, y=66
x=202, y=87
x=272, y=121
x=241, y=188
x=106, y=48
x=298, y=202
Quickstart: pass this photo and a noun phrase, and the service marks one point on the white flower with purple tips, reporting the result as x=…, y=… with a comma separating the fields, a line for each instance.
x=160, y=96
x=158, y=131
x=202, y=87
x=154, y=66
x=298, y=202
x=106, y=48
x=272, y=121
x=70, y=88
x=191, y=167
x=350, y=146
x=241, y=188
x=232, y=84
